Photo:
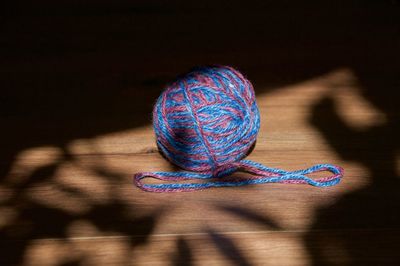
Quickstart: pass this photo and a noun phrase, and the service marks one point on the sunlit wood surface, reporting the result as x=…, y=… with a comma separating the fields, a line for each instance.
x=76, y=114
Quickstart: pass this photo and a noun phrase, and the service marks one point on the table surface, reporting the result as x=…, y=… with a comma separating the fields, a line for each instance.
x=80, y=83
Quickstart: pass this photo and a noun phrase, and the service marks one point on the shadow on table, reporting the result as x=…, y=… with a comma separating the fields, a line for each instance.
x=73, y=72
x=363, y=226
x=61, y=211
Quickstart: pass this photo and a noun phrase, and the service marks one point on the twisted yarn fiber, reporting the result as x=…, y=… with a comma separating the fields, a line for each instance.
x=206, y=122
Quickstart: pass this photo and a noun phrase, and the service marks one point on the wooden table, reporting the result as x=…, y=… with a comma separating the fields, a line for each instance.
x=79, y=84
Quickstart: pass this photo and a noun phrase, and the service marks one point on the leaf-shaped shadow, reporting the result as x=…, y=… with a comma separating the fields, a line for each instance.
x=252, y=216
x=72, y=262
x=40, y=175
x=228, y=248
x=183, y=255
x=116, y=217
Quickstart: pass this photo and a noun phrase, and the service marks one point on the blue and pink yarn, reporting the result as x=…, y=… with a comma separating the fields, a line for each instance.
x=206, y=122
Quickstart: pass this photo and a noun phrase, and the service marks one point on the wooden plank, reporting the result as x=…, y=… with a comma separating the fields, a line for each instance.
x=217, y=248
x=55, y=197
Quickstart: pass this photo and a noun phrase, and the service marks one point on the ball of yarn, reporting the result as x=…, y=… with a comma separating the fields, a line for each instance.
x=207, y=120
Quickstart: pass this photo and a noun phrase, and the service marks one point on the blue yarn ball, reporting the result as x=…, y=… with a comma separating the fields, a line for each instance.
x=207, y=120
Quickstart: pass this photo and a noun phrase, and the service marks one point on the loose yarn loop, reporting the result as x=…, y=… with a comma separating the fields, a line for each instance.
x=206, y=122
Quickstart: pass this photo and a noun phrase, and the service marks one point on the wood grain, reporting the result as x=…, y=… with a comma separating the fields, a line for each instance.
x=80, y=84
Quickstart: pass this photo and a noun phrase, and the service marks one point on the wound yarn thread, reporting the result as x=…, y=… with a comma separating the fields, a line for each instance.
x=206, y=122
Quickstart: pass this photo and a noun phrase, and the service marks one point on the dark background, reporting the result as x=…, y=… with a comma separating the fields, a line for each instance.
x=77, y=69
